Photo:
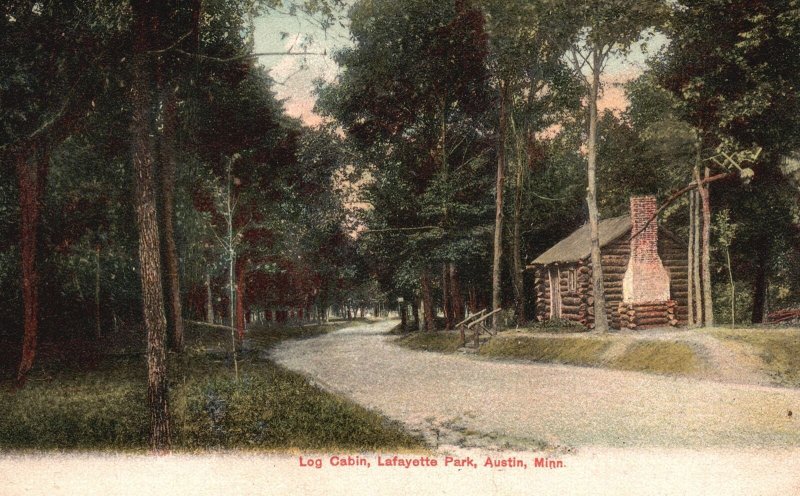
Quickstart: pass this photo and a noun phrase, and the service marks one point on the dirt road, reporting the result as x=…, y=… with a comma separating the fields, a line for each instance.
x=457, y=400
x=628, y=433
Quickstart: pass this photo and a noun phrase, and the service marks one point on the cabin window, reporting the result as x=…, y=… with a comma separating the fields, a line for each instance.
x=572, y=280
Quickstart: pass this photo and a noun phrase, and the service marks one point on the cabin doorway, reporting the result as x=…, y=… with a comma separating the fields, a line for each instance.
x=555, y=293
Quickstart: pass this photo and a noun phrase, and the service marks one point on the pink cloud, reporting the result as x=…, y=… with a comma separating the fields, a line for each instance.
x=294, y=77
x=613, y=96
x=303, y=109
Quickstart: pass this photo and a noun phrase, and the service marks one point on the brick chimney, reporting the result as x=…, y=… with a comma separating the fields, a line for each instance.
x=646, y=280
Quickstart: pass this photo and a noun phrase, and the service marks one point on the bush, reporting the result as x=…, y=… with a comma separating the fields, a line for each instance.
x=722, y=304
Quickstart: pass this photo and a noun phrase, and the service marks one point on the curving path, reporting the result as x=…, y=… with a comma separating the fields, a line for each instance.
x=635, y=434
x=458, y=400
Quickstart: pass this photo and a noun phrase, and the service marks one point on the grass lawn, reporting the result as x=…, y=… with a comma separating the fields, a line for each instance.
x=778, y=348
x=269, y=408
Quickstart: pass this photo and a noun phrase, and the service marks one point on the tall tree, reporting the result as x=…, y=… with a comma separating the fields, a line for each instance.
x=535, y=90
x=502, y=129
x=720, y=63
x=410, y=96
x=146, y=22
x=50, y=84
x=168, y=163
x=31, y=172
x=604, y=29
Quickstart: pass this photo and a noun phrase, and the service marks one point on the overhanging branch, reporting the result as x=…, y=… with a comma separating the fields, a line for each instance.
x=672, y=199
x=393, y=229
x=245, y=56
x=171, y=47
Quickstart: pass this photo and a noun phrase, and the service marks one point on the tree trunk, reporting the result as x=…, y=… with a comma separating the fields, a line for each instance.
x=698, y=288
x=240, y=310
x=518, y=268
x=209, y=300
x=690, y=258
x=403, y=316
x=97, y=327
x=446, y=303
x=498, y=219
x=415, y=313
x=231, y=269
x=708, y=300
x=732, y=287
x=427, y=301
x=168, y=159
x=31, y=171
x=457, y=305
x=146, y=218
x=473, y=299
x=600, y=318
x=760, y=285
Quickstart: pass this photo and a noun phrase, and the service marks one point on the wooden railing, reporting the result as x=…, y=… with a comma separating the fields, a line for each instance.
x=462, y=326
x=475, y=324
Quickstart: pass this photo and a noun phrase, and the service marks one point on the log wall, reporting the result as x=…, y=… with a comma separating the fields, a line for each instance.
x=673, y=256
x=542, y=288
x=578, y=305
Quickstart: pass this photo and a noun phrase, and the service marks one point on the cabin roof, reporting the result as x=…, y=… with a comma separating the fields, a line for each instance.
x=577, y=245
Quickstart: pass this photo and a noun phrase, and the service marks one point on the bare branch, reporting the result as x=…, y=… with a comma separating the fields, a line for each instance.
x=52, y=121
x=455, y=146
x=221, y=241
x=541, y=197
x=371, y=231
x=578, y=66
x=585, y=58
x=736, y=159
x=288, y=78
x=245, y=56
x=171, y=47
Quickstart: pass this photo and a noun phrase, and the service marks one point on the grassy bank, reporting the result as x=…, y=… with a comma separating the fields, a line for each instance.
x=654, y=356
x=440, y=341
x=661, y=357
x=571, y=351
x=268, y=408
x=778, y=349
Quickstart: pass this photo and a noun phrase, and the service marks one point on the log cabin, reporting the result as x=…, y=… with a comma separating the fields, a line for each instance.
x=645, y=277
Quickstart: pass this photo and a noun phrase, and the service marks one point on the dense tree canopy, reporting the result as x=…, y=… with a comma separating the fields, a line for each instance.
x=150, y=174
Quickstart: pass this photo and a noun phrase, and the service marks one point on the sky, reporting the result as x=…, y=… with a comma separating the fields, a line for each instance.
x=295, y=75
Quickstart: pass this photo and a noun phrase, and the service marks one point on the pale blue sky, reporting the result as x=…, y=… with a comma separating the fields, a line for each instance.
x=295, y=74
